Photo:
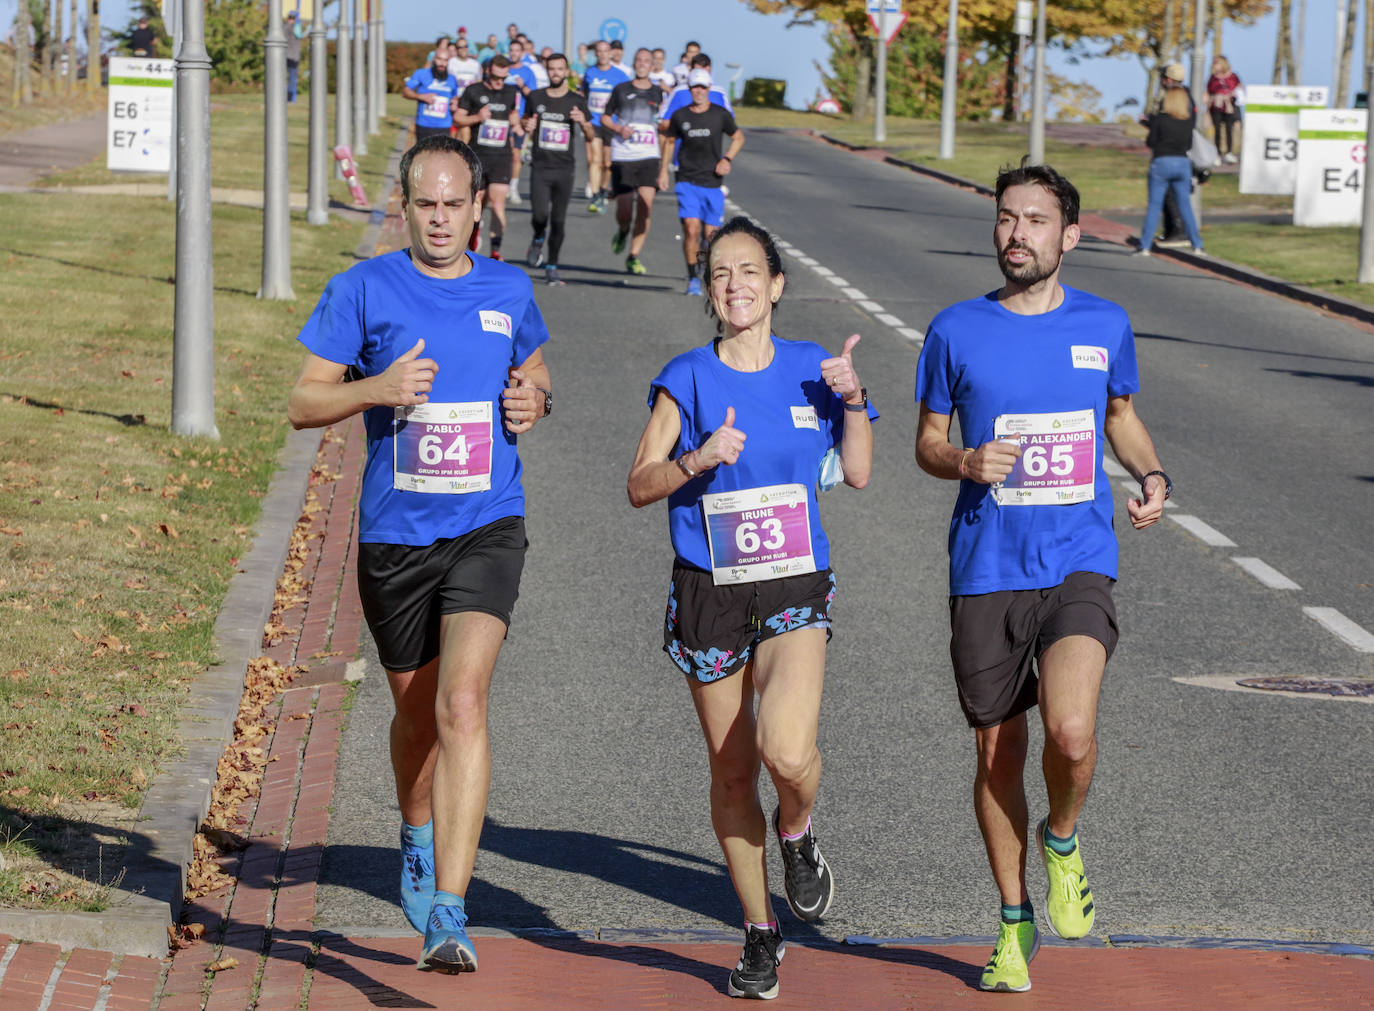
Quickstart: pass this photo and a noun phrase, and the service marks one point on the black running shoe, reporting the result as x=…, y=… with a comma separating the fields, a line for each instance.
x=536, y=255
x=806, y=876
x=756, y=975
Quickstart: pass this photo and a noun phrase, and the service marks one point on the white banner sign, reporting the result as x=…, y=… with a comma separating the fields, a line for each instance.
x=1331, y=150
x=138, y=124
x=1269, y=145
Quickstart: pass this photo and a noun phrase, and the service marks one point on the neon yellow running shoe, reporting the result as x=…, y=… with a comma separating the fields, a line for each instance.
x=1069, y=905
x=633, y=265
x=1008, y=970
x=618, y=242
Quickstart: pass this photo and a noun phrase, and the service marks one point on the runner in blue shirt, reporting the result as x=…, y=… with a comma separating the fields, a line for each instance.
x=740, y=434
x=597, y=84
x=1041, y=375
x=434, y=90
x=449, y=345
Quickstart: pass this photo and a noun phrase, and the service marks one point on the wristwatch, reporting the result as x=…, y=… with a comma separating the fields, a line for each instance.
x=1168, y=485
x=861, y=405
x=548, y=400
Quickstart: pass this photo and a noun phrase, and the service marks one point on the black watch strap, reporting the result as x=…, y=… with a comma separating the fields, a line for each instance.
x=1168, y=485
x=862, y=405
x=548, y=400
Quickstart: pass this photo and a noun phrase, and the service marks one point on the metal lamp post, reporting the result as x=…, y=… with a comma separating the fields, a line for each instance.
x=317, y=204
x=276, y=192
x=343, y=91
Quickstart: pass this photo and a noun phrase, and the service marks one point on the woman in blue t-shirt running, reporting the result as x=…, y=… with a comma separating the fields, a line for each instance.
x=741, y=431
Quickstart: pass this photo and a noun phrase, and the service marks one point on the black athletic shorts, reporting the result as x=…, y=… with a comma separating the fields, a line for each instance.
x=628, y=176
x=405, y=590
x=496, y=165
x=604, y=132
x=710, y=631
x=997, y=637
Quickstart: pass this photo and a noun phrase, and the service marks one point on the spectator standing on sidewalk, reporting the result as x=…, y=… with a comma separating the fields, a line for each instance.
x=143, y=40
x=1170, y=137
x=1222, y=93
x=292, y=28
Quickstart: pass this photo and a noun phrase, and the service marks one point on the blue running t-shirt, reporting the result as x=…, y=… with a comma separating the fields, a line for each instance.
x=597, y=85
x=790, y=419
x=423, y=82
x=1048, y=377
x=476, y=327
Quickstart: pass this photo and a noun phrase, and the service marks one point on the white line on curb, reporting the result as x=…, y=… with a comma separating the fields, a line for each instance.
x=1266, y=574
x=1353, y=635
x=1203, y=532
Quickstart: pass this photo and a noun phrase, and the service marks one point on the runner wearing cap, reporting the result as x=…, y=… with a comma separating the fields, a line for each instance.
x=698, y=131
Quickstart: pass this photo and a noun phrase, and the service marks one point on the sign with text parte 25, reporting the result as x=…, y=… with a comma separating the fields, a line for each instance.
x=886, y=17
x=1331, y=152
x=614, y=30
x=138, y=131
x=1269, y=144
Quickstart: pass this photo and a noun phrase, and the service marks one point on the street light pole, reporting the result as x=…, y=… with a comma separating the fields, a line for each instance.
x=951, y=82
x=1037, y=125
x=276, y=192
x=568, y=46
x=880, y=112
x=379, y=105
x=360, y=88
x=343, y=90
x=193, y=341
x=317, y=204
x=374, y=67
x=1366, y=270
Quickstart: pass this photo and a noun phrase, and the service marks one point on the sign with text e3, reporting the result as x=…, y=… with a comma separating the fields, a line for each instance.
x=1269, y=141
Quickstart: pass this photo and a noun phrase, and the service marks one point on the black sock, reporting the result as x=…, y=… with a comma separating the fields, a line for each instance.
x=495, y=243
x=691, y=270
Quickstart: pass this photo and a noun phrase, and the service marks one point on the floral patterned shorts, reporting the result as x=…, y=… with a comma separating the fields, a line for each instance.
x=711, y=631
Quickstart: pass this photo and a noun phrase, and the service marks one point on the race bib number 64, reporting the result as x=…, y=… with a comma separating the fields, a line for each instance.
x=442, y=449
x=1058, y=461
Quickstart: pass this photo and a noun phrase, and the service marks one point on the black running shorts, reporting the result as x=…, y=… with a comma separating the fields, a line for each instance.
x=405, y=590
x=710, y=631
x=997, y=637
x=628, y=176
x=496, y=165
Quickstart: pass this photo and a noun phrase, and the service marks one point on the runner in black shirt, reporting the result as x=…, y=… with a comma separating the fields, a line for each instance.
x=631, y=118
x=702, y=161
x=490, y=107
x=552, y=116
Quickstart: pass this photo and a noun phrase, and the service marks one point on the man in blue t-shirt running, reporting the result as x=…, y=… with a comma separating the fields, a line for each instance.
x=434, y=90
x=449, y=347
x=1041, y=375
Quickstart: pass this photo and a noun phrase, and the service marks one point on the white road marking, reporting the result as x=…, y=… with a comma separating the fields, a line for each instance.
x=872, y=307
x=838, y=281
x=1353, y=635
x=1134, y=489
x=1207, y=534
x=824, y=271
x=1266, y=574
x=890, y=320
x=855, y=294
x=1113, y=468
x=807, y=261
x=1227, y=683
x=912, y=334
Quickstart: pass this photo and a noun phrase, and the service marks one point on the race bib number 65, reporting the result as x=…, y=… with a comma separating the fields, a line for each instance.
x=442, y=449
x=1058, y=461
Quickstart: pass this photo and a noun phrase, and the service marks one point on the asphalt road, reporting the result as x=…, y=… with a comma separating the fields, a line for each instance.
x=1214, y=813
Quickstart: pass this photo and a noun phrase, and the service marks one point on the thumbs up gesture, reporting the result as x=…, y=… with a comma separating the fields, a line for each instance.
x=408, y=380
x=725, y=444
x=838, y=373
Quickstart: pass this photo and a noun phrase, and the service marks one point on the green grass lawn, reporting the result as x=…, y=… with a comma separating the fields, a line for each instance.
x=118, y=538
x=1112, y=181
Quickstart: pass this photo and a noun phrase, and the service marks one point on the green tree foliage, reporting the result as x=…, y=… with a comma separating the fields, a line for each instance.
x=234, y=33
x=915, y=74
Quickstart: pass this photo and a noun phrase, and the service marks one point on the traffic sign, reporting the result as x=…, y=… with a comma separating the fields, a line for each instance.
x=886, y=17
x=614, y=30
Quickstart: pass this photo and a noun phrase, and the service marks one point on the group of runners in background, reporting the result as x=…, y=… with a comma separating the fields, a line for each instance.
x=744, y=432
x=637, y=123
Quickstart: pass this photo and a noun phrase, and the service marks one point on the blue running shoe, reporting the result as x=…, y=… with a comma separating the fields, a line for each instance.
x=447, y=947
x=693, y=286
x=417, y=878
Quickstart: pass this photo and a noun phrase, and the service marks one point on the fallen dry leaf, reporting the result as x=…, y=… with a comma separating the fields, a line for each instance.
x=12, y=531
x=220, y=964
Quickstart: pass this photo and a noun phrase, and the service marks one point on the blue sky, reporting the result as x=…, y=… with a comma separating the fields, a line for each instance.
x=766, y=47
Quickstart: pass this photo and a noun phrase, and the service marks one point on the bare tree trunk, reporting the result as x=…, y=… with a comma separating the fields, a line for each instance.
x=1343, y=67
x=48, y=55
x=71, y=49
x=1166, y=38
x=862, y=105
x=1368, y=45
x=1283, y=44
x=1012, y=77
x=1218, y=20
x=23, y=59
x=92, y=46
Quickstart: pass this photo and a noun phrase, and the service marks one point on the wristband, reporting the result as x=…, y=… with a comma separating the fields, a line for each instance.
x=963, y=461
x=726, y=157
x=681, y=462
x=862, y=405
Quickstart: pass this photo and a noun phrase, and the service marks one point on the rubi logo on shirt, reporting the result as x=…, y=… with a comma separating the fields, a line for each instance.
x=497, y=322
x=805, y=417
x=1088, y=356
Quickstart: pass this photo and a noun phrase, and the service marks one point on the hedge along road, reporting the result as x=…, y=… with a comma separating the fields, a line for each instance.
x=598, y=815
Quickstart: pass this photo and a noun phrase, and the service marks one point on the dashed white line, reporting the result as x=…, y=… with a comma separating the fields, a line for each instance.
x=890, y=320
x=912, y=334
x=838, y=281
x=1113, y=468
x=807, y=261
x=855, y=294
x=1133, y=487
x=872, y=307
x=1266, y=574
x=1353, y=635
x=823, y=271
x=1207, y=534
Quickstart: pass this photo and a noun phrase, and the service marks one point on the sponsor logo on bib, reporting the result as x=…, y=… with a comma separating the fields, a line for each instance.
x=1088, y=356
x=805, y=417
x=495, y=322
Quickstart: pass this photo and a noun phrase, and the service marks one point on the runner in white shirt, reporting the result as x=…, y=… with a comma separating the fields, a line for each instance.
x=464, y=67
x=631, y=118
x=660, y=75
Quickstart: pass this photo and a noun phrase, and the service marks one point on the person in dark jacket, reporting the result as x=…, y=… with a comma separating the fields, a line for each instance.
x=1170, y=137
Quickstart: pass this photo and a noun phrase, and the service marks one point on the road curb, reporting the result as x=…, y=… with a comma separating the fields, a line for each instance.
x=1325, y=301
x=150, y=895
